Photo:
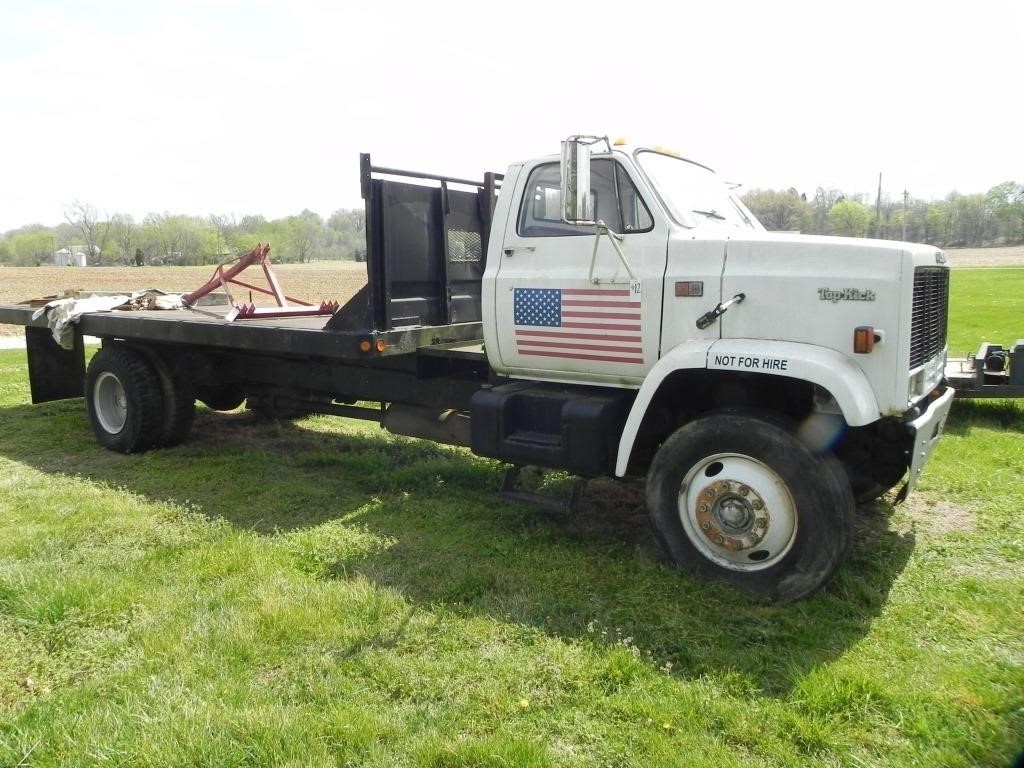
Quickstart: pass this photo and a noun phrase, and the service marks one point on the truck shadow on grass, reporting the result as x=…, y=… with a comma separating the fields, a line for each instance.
x=1005, y=415
x=439, y=535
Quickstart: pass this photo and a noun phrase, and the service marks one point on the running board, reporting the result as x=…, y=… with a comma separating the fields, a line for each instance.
x=543, y=501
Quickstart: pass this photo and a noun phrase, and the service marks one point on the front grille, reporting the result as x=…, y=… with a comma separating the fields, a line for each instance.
x=928, y=323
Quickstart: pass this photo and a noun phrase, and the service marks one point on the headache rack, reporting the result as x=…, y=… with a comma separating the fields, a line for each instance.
x=426, y=248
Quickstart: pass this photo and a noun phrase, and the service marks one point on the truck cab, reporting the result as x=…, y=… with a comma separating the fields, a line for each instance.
x=641, y=275
x=631, y=294
x=571, y=304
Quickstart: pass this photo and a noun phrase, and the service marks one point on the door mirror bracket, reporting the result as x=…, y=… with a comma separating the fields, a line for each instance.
x=615, y=238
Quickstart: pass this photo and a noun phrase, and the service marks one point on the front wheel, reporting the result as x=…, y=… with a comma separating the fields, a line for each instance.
x=736, y=498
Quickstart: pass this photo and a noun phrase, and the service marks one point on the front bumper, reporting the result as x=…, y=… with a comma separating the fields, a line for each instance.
x=926, y=430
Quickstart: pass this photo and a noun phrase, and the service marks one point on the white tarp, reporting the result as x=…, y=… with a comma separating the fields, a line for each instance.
x=60, y=314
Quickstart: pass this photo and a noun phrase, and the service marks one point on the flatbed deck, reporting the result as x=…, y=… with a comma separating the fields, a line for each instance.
x=303, y=336
x=411, y=336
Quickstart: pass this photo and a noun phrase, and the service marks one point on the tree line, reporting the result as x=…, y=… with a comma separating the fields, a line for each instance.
x=993, y=218
x=185, y=240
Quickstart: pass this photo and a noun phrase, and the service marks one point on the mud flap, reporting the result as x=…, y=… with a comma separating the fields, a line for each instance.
x=54, y=373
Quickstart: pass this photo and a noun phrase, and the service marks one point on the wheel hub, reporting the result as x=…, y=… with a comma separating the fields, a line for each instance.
x=737, y=511
x=732, y=515
x=110, y=401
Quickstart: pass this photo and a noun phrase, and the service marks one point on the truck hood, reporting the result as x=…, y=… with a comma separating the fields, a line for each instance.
x=808, y=245
x=817, y=290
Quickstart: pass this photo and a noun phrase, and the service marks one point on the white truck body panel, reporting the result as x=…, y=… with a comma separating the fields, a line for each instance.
x=803, y=298
x=829, y=286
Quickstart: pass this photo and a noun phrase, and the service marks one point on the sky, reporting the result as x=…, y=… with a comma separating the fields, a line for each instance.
x=249, y=107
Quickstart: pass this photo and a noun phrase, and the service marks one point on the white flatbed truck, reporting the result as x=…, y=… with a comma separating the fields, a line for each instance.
x=613, y=311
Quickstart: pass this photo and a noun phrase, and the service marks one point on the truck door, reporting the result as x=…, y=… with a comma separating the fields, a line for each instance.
x=563, y=312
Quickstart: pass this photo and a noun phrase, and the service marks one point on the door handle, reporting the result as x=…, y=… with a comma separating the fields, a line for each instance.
x=510, y=250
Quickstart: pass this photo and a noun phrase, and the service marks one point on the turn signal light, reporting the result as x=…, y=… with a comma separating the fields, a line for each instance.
x=863, y=339
x=380, y=345
x=364, y=345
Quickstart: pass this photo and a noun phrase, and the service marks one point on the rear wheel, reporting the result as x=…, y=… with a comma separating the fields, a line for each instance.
x=736, y=498
x=179, y=401
x=123, y=400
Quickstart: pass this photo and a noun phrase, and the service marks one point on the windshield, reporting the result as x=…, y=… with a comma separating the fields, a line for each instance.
x=692, y=192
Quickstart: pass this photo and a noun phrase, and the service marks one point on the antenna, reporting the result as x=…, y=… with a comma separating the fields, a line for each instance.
x=905, y=195
x=878, y=208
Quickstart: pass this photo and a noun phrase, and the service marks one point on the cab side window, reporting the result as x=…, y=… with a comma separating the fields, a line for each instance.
x=615, y=201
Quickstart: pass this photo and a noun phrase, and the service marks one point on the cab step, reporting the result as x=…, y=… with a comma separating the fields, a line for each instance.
x=511, y=489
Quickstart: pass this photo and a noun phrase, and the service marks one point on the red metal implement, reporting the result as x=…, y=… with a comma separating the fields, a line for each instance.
x=227, y=273
x=247, y=311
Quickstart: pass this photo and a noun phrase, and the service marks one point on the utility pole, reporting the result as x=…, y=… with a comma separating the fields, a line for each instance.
x=905, y=195
x=878, y=208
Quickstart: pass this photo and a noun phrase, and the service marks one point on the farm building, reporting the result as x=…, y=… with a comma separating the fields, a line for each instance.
x=70, y=257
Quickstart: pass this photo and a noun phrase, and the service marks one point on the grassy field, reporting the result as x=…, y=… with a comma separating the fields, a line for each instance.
x=986, y=305
x=321, y=594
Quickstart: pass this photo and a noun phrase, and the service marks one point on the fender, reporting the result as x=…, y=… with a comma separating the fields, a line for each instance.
x=686, y=356
x=829, y=369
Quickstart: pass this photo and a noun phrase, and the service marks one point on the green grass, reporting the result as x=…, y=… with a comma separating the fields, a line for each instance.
x=323, y=594
x=986, y=304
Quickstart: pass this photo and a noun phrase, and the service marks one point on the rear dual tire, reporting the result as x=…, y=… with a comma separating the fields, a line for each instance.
x=179, y=401
x=134, y=401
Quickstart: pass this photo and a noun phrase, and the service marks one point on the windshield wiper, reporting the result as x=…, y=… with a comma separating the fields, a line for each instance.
x=712, y=214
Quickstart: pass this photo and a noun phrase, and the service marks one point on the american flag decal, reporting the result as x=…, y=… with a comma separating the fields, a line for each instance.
x=599, y=324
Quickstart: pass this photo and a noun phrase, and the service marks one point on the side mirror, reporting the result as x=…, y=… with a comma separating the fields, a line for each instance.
x=576, y=201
